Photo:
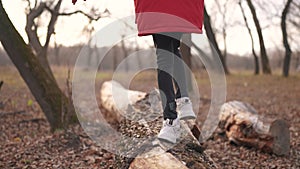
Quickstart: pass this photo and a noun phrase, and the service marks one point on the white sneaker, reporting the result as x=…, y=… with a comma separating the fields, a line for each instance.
x=185, y=108
x=170, y=131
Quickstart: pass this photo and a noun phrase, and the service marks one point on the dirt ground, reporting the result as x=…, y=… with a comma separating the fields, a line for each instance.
x=26, y=142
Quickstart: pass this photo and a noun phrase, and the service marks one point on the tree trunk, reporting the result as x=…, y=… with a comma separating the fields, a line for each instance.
x=32, y=33
x=137, y=48
x=143, y=110
x=185, y=48
x=90, y=53
x=297, y=62
x=97, y=55
x=264, y=57
x=115, y=50
x=58, y=109
x=125, y=53
x=56, y=53
x=213, y=42
x=242, y=125
x=288, y=51
x=256, y=62
x=1, y=84
x=43, y=59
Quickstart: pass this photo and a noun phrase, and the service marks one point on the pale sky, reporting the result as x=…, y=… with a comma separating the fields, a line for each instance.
x=69, y=29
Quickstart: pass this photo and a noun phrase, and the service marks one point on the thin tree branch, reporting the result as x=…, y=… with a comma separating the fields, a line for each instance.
x=31, y=27
x=52, y=22
x=89, y=16
x=35, y=4
x=296, y=24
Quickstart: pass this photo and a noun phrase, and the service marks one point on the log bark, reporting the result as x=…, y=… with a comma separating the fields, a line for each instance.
x=244, y=127
x=143, y=114
x=112, y=98
x=160, y=161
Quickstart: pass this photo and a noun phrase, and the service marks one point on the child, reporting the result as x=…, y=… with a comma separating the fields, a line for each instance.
x=166, y=21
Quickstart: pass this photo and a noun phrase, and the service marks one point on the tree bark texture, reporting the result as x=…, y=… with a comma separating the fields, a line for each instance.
x=56, y=106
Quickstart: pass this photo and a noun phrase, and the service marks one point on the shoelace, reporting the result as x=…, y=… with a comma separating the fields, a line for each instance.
x=183, y=102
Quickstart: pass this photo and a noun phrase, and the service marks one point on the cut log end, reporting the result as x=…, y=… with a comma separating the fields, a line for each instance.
x=279, y=130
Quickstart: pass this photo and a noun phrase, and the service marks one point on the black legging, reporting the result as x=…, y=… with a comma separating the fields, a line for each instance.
x=170, y=69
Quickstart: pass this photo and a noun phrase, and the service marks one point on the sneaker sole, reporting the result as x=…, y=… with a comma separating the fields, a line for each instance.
x=165, y=140
x=187, y=118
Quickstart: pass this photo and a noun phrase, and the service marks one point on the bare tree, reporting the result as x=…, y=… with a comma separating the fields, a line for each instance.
x=185, y=48
x=137, y=48
x=35, y=11
x=211, y=36
x=288, y=51
x=295, y=12
x=125, y=53
x=222, y=10
x=115, y=57
x=88, y=31
x=256, y=62
x=57, y=108
x=264, y=57
x=56, y=51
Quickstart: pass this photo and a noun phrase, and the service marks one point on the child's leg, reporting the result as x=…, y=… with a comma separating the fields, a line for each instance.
x=165, y=63
x=179, y=70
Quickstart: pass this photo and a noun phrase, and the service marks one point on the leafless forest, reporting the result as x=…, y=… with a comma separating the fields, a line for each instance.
x=256, y=41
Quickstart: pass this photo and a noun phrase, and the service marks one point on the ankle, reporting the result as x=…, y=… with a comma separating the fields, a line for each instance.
x=170, y=111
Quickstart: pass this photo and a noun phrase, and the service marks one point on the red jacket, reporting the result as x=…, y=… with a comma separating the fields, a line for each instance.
x=154, y=16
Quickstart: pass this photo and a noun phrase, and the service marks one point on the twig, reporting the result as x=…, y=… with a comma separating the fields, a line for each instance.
x=35, y=120
x=96, y=17
x=12, y=113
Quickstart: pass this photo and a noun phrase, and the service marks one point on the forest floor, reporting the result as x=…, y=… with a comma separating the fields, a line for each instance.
x=26, y=141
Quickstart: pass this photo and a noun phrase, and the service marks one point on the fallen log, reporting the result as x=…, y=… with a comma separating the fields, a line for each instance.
x=140, y=117
x=243, y=126
x=113, y=99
